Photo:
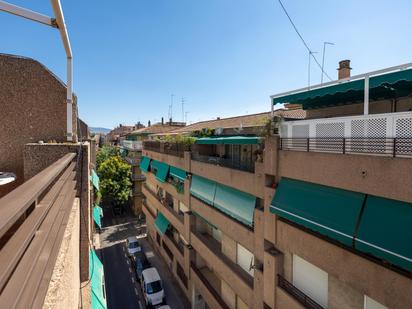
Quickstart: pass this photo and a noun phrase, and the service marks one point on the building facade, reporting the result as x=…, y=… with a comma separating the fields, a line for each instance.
x=317, y=216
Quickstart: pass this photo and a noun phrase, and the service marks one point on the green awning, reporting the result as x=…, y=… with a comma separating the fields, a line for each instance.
x=329, y=211
x=230, y=140
x=235, y=203
x=385, y=86
x=162, y=170
x=95, y=180
x=177, y=173
x=385, y=231
x=161, y=223
x=97, y=285
x=97, y=215
x=144, y=163
x=204, y=189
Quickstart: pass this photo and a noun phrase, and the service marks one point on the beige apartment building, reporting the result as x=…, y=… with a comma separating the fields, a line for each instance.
x=316, y=216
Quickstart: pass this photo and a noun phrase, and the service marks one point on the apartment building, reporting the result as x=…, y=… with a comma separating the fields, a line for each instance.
x=317, y=216
x=131, y=151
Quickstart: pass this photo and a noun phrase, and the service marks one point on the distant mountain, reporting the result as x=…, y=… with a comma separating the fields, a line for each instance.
x=99, y=130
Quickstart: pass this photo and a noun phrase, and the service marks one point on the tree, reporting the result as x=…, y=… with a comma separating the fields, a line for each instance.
x=115, y=183
x=105, y=153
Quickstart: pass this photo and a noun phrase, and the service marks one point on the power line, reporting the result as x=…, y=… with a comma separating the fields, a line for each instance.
x=302, y=39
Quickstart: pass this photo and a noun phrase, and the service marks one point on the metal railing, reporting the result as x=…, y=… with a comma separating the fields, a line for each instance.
x=297, y=294
x=394, y=147
x=33, y=220
x=246, y=166
x=131, y=145
x=151, y=146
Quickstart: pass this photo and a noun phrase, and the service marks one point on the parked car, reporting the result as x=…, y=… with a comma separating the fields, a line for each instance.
x=132, y=245
x=152, y=287
x=140, y=263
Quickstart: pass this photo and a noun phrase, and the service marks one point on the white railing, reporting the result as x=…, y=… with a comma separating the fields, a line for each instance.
x=131, y=145
x=385, y=134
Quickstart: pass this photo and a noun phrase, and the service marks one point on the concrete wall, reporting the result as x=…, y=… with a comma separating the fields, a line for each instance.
x=33, y=108
x=63, y=291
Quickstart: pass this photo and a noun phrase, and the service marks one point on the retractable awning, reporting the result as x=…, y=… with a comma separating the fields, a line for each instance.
x=177, y=173
x=384, y=86
x=329, y=211
x=162, y=170
x=235, y=203
x=95, y=179
x=161, y=223
x=97, y=215
x=385, y=231
x=97, y=285
x=204, y=189
x=230, y=140
x=144, y=163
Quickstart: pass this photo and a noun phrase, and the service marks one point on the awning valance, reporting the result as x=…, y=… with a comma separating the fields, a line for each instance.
x=329, y=211
x=229, y=140
x=97, y=215
x=144, y=163
x=161, y=223
x=389, y=85
x=385, y=231
x=95, y=179
x=96, y=271
x=177, y=173
x=236, y=204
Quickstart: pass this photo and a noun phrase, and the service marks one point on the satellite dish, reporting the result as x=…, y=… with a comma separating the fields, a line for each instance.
x=6, y=178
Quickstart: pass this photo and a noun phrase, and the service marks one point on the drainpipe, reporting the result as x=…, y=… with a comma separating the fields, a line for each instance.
x=57, y=9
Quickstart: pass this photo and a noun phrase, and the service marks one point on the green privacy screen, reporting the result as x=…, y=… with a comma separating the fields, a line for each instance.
x=97, y=285
x=161, y=223
x=329, y=211
x=237, y=204
x=177, y=173
x=394, y=84
x=385, y=231
x=230, y=140
x=144, y=164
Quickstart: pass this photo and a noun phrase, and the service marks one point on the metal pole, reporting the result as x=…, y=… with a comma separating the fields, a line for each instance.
x=366, y=97
x=25, y=13
x=323, y=60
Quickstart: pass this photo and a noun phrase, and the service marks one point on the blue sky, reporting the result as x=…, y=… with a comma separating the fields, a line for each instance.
x=225, y=57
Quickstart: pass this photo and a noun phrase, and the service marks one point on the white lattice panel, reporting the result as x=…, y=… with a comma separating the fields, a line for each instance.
x=300, y=130
x=331, y=129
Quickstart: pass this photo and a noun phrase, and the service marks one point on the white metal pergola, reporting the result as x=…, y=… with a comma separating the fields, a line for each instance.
x=56, y=22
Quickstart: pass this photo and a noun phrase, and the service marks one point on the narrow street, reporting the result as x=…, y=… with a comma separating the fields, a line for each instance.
x=122, y=288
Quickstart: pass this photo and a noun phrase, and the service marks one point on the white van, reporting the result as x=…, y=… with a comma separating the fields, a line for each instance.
x=152, y=287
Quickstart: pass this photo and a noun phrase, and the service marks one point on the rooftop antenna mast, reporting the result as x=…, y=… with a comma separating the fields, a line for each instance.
x=171, y=106
x=310, y=57
x=183, y=109
x=323, y=59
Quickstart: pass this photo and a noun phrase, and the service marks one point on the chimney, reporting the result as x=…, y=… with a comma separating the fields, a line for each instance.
x=148, y=123
x=163, y=121
x=344, y=69
x=218, y=118
x=170, y=121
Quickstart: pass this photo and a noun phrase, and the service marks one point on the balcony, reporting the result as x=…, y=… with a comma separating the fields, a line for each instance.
x=297, y=294
x=206, y=288
x=174, y=149
x=209, y=249
x=246, y=166
x=131, y=145
x=132, y=161
x=387, y=134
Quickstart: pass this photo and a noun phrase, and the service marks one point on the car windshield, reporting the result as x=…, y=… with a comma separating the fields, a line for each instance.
x=153, y=287
x=133, y=245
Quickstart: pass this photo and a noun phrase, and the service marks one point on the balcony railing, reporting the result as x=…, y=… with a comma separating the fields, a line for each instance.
x=33, y=219
x=394, y=147
x=246, y=166
x=174, y=149
x=131, y=145
x=297, y=294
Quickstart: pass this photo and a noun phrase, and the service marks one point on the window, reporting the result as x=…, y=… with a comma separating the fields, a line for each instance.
x=311, y=280
x=245, y=259
x=370, y=303
x=216, y=234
